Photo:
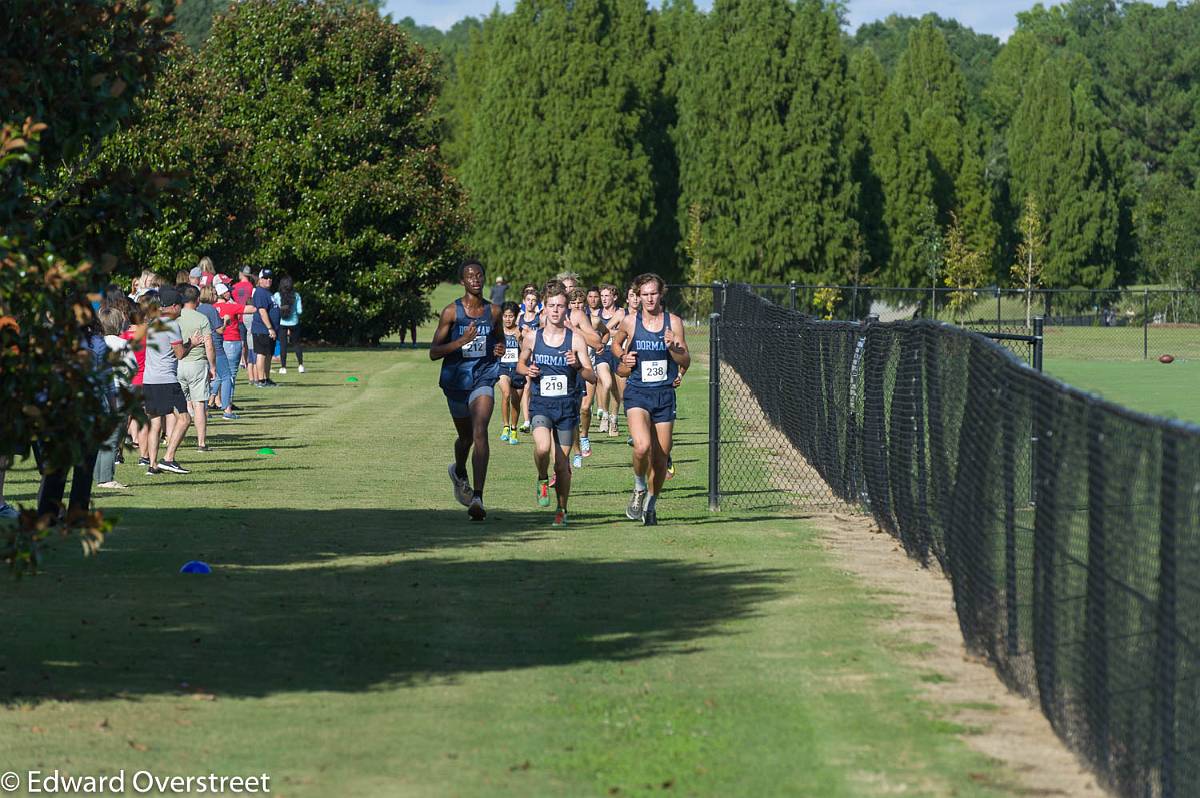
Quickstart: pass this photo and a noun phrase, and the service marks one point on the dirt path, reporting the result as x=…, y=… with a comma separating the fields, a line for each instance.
x=1000, y=723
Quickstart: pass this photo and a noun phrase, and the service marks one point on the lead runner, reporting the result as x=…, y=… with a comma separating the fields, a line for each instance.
x=651, y=349
x=469, y=343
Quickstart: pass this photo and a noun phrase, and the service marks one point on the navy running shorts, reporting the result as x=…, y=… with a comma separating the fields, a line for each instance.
x=658, y=402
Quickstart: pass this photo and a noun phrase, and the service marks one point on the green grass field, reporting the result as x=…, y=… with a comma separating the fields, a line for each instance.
x=360, y=636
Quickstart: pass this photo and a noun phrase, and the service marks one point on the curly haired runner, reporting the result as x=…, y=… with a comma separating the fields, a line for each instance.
x=470, y=343
x=652, y=353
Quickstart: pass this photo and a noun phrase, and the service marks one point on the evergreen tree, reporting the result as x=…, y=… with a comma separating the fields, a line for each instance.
x=763, y=124
x=868, y=85
x=1057, y=155
x=557, y=165
x=930, y=151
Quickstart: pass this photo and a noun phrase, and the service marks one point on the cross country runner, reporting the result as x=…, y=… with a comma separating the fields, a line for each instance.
x=577, y=301
x=469, y=343
x=511, y=383
x=554, y=359
x=606, y=385
x=652, y=350
x=529, y=319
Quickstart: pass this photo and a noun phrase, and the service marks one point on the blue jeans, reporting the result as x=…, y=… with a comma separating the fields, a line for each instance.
x=227, y=378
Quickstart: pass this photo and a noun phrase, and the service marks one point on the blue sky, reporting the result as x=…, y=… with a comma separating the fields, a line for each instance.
x=997, y=17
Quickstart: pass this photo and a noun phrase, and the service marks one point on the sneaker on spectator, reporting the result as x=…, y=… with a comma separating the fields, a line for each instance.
x=153, y=472
x=173, y=466
x=230, y=416
x=8, y=512
x=268, y=384
x=300, y=369
x=281, y=371
x=205, y=448
x=143, y=461
x=113, y=485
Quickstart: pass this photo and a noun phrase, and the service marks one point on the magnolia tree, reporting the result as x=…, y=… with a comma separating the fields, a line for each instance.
x=307, y=133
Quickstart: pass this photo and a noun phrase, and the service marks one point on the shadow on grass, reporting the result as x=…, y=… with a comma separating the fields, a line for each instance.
x=345, y=601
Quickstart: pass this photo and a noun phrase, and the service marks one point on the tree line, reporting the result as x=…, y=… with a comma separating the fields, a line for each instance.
x=762, y=141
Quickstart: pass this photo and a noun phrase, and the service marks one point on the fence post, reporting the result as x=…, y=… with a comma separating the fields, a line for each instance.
x=1145, y=323
x=1166, y=654
x=1039, y=340
x=998, y=310
x=792, y=294
x=1008, y=445
x=714, y=412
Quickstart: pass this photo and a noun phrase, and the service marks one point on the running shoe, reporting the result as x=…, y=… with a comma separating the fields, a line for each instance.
x=301, y=369
x=8, y=512
x=112, y=484
x=553, y=478
x=612, y=427
x=173, y=466
x=603, y=421
x=205, y=449
x=143, y=461
x=670, y=468
x=512, y=438
x=585, y=447
x=525, y=427
x=475, y=510
x=504, y=434
x=543, y=493
x=281, y=371
x=230, y=416
x=268, y=384
x=629, y=441
x=634, y=511
x=560, y=518
x=462, y=489
x=577, y=461
x=650, y=517
x=153, y=472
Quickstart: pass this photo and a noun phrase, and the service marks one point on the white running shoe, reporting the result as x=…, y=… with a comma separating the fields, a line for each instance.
x=281, y=371
x=300, y=369
x=475, y=509
x=113, y=485
x=462, y=488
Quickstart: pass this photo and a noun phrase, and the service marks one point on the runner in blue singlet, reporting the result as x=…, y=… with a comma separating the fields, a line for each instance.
x=528, y=320
x=469, y=343
x=554, y=359
x=652, y=350
x=606, y=384
x=511, y=383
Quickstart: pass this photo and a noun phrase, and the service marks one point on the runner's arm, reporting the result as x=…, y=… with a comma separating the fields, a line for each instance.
x=586, y=330
x=584, y=362
x=624, y=333
x=679, y=349
x=441, y=344
x=523, y=365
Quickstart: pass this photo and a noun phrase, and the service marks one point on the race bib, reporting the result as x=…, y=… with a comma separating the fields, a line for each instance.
x=510, y=356
x=554, y=385
x=654, y=370
x=477, y=348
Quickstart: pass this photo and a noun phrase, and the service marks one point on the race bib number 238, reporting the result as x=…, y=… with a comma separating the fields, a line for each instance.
x=654, y=370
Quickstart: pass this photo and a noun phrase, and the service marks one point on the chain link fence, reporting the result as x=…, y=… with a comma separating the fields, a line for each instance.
x=1069, y=527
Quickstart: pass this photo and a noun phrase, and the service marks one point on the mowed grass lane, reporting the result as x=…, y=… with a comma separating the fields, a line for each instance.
x=360, y=636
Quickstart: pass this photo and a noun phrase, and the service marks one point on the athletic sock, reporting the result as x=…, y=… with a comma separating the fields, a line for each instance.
x=639, y=482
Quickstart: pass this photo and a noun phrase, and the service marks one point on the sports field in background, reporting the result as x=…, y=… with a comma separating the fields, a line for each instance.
x=360, y=636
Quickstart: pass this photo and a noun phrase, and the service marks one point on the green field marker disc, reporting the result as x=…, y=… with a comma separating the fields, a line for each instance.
x=352, y=379
x=266, y=450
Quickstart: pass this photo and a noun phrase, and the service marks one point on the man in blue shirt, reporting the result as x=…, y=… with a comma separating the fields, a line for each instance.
x=263, y=328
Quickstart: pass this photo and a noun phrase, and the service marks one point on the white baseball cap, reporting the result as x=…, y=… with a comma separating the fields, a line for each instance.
x=221, y=288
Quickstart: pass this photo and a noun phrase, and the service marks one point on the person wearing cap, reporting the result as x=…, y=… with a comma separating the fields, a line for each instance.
x=231, y=344
x=263, y=328
x=194, y=276
x=165, y=347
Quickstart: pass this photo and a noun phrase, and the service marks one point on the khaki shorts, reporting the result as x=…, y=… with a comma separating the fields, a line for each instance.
x=193, y=379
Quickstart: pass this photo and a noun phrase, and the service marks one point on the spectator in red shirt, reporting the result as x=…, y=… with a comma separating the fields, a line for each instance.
x=231, y=343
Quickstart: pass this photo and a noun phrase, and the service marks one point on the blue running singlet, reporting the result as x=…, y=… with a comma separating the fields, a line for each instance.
x=655, y=368
x=556, y=379
x=475, y=364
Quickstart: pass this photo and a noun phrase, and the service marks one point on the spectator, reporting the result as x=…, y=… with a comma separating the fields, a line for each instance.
x=498, y=291
x=231, y=344
x=200, y=364
x=135, y=334
x=262, y=328
x=113, y=323
x=243, y=293
x=208, y=296
x=7, y=511
x=208, y=271
x=165, y=347
x=183, y=277
x=290, y=309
